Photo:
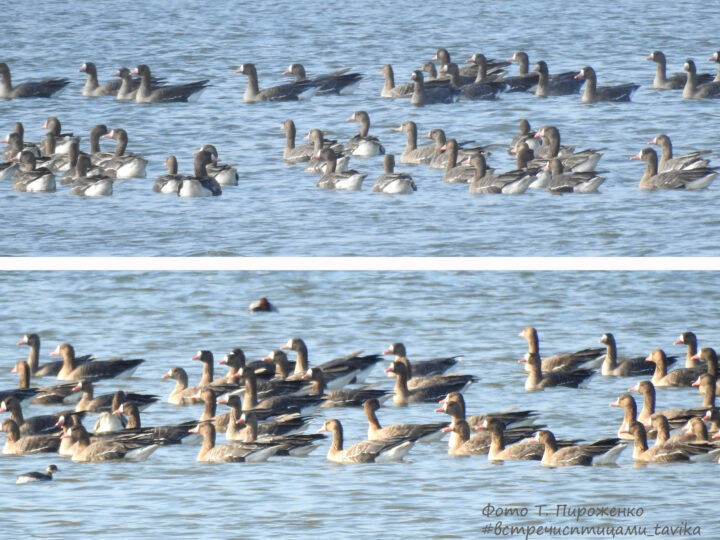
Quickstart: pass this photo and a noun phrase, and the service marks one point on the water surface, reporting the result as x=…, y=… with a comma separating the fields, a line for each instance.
x=276, y=209
x=165, y=317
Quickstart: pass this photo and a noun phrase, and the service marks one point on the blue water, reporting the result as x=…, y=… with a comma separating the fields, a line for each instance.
x=165, y=317
x=276, y=209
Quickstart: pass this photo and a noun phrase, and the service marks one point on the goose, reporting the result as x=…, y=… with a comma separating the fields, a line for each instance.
x=366, y=451
x=284, y=92
x=124, y=165
x=167, y=93
x=337, y=82
x=594, y=93
x=45, y=88
x=31, y=179
x=393, y=183
x=691, y=179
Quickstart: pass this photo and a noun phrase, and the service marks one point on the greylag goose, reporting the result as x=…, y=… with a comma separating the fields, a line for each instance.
x=366, y=451
x=559, y=361
x=605, y=450
x=45, y=88
x=392, y=182
x=698, y=178
x=100, y=369
x=594, y=93
x=284, y=92
x=34, y=476
x=692, y=160
x=337, y=82
x=146, y=93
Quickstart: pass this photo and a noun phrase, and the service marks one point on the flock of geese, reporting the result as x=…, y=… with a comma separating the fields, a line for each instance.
x=270, y=404
x=541, y=161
